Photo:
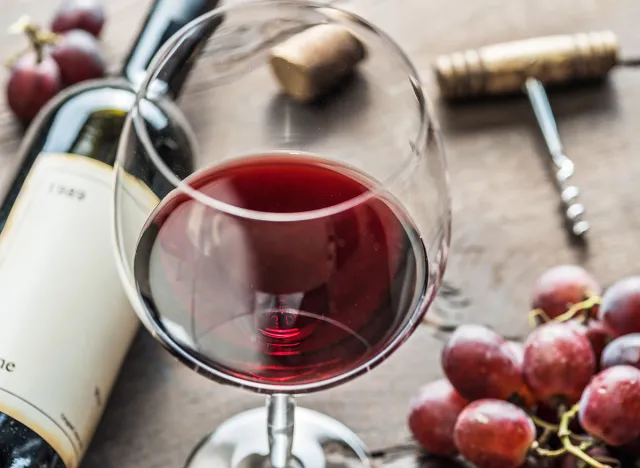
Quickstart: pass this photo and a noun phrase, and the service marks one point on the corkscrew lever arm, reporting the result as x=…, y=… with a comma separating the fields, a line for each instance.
x=573, y=210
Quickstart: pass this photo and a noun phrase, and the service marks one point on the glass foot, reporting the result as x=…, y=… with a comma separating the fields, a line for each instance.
x=318, y=442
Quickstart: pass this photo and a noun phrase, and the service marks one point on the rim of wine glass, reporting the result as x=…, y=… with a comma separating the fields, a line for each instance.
x=416, y=146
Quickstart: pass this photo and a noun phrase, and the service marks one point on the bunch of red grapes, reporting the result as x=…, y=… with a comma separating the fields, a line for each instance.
x=568, y=397
x=66, y=54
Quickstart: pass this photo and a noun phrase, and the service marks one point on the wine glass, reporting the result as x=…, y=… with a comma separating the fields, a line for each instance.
x=297, y=244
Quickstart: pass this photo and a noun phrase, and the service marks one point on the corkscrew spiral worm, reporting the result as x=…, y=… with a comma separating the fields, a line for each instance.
x=574, y=211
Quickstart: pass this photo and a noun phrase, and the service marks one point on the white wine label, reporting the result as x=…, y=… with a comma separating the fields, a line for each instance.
x=65, y=320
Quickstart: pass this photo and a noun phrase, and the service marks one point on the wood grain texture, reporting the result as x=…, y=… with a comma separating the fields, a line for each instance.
x=506, y=225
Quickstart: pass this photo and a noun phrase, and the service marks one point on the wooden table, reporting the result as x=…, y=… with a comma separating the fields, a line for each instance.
x=506, y=227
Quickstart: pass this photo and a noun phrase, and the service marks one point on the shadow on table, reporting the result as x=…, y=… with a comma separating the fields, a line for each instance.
x=436, y=462
x=302, y=124
x=409, y=459
x=511, y=111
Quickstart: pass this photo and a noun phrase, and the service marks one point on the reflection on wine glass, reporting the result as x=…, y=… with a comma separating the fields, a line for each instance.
x=308, y=243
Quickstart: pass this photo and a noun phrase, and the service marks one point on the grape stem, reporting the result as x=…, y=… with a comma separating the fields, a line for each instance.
x=38, y=38
x=32, y=33
x=546, y=453
x=548, y=429
x=583, y=307
x=575, y=309
x=11, y=60
x=533, y=317
x=544, y=424
x=564, y=433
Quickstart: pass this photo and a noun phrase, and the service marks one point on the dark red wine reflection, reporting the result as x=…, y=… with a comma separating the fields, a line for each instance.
x=281, y=302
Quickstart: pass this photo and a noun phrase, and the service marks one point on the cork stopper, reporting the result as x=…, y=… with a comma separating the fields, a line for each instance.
x=503, y=68
x=312, y=62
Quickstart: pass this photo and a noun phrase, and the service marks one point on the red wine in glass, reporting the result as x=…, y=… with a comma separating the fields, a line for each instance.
x=286, y=301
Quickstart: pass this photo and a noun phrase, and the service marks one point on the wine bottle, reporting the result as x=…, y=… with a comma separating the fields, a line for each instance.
x=66, y=323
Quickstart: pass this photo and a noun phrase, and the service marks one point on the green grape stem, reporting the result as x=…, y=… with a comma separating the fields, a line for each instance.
x=546, y=453
x=564, y=433
x=33, y=33
x=573, y=444
x=544, y=424
x=583, y=308
x=538, y=313
x=11, y=60
x=38, y=39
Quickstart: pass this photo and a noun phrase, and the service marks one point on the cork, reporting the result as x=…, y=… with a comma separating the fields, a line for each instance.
x=311, y=63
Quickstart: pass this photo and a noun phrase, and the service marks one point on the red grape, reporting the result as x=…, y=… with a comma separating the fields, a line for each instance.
x=599, y=336
x=494, y=434
x=558, y=362
x=560, y=287
x=610, y=406
x=622, y=351
x=479, y=364
x=79, y=57
x=79, y=14
x=433, y=414
x=620, y=308
x=32, y=84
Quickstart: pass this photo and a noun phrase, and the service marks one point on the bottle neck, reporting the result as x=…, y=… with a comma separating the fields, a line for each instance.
x=164, y=19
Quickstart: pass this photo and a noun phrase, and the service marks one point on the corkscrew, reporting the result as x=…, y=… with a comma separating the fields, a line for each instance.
x=569, y=194
x=529, y=65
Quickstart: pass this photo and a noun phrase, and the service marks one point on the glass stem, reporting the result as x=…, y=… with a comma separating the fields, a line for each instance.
x=280, y=412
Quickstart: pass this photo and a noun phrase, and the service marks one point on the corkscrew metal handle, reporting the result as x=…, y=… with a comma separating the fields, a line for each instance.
x=569, y=194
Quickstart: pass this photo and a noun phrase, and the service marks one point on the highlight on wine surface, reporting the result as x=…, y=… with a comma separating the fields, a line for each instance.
x=310, y=237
